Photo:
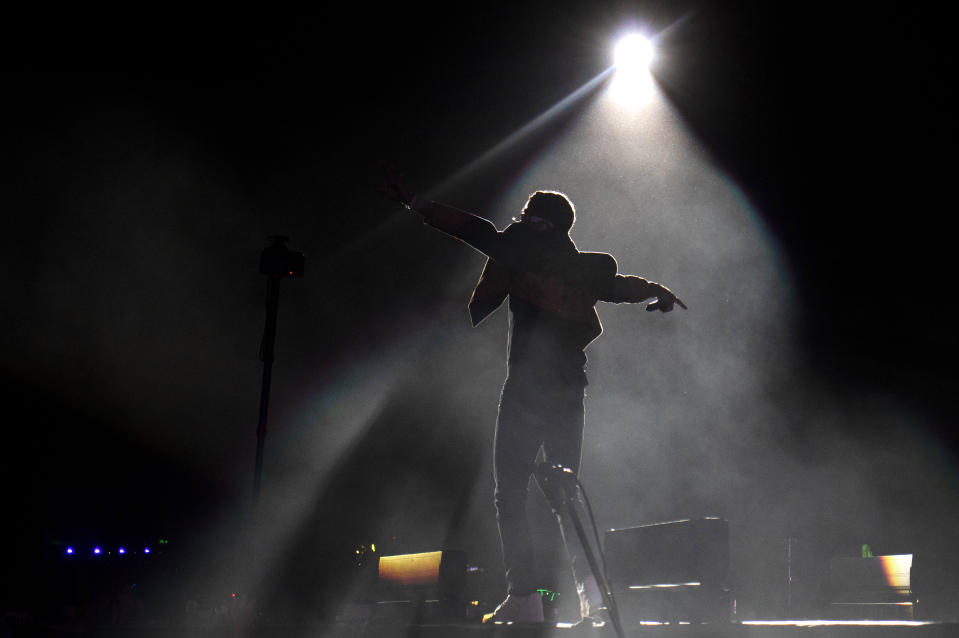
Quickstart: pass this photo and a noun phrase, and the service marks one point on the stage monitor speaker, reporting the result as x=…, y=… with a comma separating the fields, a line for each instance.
x=427, y=585
x=671, y=571
x=444, y=572
x=873, y=588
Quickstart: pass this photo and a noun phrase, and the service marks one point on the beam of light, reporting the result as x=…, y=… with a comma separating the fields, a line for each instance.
x=497, y=151
x=527, y=130
x=335, y=415
x=649, y=193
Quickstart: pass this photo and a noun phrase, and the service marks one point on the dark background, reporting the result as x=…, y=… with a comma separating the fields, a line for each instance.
x=147, y=157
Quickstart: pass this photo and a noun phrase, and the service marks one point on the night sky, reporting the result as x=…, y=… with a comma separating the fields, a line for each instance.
x=145, y=166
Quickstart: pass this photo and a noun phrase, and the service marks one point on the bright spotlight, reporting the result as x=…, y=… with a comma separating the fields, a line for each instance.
x=632, y=84
x=633, y=53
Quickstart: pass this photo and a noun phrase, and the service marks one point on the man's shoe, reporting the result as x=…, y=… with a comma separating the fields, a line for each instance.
x=598, y=619
x=518, y=609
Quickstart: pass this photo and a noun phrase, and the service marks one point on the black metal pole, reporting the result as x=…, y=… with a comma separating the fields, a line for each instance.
x=559, y=485
x=266, y=355
x=604, y=589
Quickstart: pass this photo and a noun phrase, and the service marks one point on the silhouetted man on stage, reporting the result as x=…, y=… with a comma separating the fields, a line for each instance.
x=552, y=289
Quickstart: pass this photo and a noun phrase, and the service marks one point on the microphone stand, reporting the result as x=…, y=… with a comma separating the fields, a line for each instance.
x=559, y=485
x=266, y=356
x=276, y=262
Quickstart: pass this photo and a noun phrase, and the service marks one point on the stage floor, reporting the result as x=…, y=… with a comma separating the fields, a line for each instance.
x=393, y=629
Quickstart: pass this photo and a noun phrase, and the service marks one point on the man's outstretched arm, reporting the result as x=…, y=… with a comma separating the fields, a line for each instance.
x=633, y=289
x=478, y=232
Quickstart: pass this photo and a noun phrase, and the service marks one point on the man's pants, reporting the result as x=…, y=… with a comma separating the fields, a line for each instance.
x=533, y=415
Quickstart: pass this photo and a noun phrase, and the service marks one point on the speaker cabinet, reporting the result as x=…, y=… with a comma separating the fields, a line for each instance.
x=671, y=571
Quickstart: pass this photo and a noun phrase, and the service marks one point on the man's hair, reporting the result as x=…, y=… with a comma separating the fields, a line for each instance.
x=552, y=206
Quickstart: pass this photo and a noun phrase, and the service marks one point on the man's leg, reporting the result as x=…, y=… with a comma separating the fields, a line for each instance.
x=516, y=444
x=514, y=452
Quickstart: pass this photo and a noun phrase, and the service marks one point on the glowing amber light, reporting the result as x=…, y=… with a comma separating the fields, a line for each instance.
x=896, y=569
x=411, y=569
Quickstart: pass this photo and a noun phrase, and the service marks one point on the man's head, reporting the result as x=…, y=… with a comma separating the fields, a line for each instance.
x=551, y=209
